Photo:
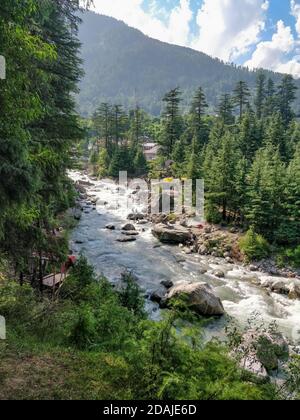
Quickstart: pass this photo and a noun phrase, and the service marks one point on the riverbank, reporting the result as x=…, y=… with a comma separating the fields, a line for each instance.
x=96, y=343
x=153, y=262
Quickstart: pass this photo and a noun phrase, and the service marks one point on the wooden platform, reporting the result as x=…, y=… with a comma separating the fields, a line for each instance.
x=53, y=280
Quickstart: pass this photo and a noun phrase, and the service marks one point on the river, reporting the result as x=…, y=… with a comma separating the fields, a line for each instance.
x=152, y=262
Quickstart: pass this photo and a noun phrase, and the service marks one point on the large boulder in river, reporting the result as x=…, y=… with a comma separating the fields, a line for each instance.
x=199, y=297
x=171, y=234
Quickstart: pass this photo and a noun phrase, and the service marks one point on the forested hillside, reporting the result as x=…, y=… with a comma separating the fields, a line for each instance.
x=248, y=155
x=124, y=66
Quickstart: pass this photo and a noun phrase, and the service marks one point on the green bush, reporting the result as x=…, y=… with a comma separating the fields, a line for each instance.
x=254, y=246
x=212, y=213
x=289, y=257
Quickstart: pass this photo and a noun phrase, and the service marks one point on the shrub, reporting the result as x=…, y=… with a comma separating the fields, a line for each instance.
x=212, y=213
x=254, y=246
x=131, y=297
x=289, y=257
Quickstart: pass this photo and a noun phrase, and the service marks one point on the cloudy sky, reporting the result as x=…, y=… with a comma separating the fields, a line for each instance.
x=256, y=33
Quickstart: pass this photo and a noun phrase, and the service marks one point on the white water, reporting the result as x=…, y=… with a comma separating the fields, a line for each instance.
x=152, y=263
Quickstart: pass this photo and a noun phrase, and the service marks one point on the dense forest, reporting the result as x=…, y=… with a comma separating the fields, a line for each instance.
x=122, y=65
x=248, y=155
x=91, y=340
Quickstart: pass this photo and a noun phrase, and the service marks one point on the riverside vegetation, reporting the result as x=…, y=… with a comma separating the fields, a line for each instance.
x=96, y=343
x=93, y=341
x=248, y=154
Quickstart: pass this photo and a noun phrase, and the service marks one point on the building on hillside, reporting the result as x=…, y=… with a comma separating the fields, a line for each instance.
x=150, y=151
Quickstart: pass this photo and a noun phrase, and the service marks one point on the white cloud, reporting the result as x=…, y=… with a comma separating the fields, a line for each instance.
x=295, y=9
x=227, y=30
x=176, y=30
x=280, y=54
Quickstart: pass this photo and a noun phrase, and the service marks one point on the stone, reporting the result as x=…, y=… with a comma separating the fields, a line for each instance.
x=294, y=290
x=110, y=227
x=229, y=260
x=203, y=250
x=128, y=227
x=171, y=234
x=254, y=366
x=179, y=259
x=199, y=298
x=136, y=216
x=127, y=239
x=253, y=268
x=280, y=286
x=264, y=349
x=77, y=213
x=158, y=295
x=167, y=284
x=207, y=229
x=130, y=233
x=218, y=273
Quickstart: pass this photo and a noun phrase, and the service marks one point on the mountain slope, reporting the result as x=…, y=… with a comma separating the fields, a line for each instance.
x=125, y=66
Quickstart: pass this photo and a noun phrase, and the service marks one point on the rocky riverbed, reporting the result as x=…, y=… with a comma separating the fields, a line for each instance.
x=164, y=253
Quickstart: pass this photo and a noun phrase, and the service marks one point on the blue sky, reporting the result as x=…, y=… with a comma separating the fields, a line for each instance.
x=255, y=33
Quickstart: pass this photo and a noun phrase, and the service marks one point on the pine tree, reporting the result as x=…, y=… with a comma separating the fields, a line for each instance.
x=221, y=175
x=172, y=122
x=285, y=98
x=102, y=121
x=137, y=126
x=276, y=135
x=241, y=96
x=271, y=101
x=140, y=163
x=119, y=120
x=198, y=108
x=288, y=232
x=225, y=110
x=193, y=164
x=249, y=136
x=264, y=207
x=260, y=94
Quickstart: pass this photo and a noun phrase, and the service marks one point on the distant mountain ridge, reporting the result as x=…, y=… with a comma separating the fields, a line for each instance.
x=122, y=65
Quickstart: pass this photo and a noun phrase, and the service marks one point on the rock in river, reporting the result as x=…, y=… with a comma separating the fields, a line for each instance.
x=127, y=239
x=128, y=227
x=199, y=297
x=262, y=351
x=130, y=233
x=136, y=216
x=110, y=227
x=171, y=234
x=167, y=284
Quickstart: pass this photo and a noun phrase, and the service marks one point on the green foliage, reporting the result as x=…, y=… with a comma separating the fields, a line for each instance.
x=289, y=257
x=130, y=295
x=103, y=162
x=254, y=246
x=115, y=347
x=38, y=123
